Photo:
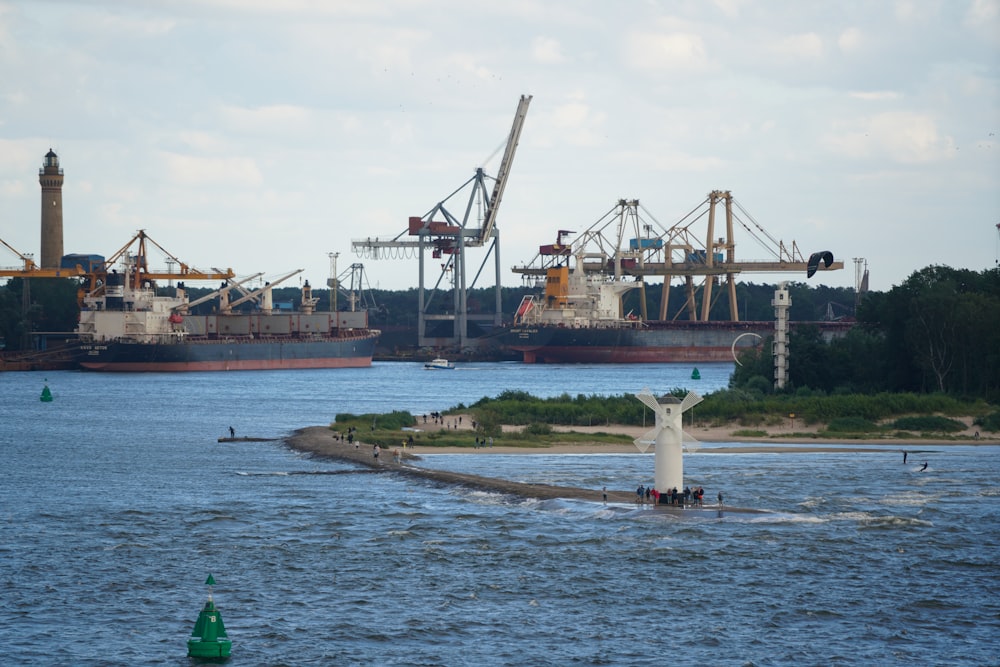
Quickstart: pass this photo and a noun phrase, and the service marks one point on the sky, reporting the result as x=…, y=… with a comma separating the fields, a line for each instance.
x=263, y=136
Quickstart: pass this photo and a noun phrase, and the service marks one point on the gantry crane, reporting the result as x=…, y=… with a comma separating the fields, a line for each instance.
x=448, y=237
x=29, y=269
x=624, y=243
x=134, y=255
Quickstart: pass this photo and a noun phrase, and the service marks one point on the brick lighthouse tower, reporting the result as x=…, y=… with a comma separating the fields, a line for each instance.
x=50, y=176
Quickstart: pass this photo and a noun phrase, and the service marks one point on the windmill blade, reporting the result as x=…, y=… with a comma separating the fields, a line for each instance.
x=645, y=441
x=647, y=399
x=691, y=400
x=689, y=442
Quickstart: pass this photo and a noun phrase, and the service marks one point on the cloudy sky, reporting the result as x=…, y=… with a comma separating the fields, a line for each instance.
x=263, y=135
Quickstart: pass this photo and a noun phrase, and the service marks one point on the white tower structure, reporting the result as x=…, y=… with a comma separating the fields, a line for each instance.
x=669, y=437
x=781, y=302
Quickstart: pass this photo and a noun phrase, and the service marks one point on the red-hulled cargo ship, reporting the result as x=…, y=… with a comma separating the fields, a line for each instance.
x=579, y=320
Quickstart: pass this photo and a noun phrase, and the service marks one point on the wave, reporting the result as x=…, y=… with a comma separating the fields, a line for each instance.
x=869, y=520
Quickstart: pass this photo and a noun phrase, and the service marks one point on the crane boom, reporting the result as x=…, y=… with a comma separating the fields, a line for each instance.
x=221, y=290
x=504, y=170
x=268, y=286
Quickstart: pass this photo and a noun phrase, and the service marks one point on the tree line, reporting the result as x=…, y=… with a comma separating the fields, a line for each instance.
x=939, y=331
x=51, y=304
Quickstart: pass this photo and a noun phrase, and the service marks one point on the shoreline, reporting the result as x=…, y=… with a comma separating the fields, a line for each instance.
x=788, y=439
x=321, y=441
x=796, y=437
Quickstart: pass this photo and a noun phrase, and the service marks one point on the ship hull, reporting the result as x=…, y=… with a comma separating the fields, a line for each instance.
x=228, y=355
x=673, y=342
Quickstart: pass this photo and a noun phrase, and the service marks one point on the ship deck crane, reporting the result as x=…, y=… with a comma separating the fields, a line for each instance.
x=306, y=307
x=221, y=291
x=447, y=237
x=624, y=243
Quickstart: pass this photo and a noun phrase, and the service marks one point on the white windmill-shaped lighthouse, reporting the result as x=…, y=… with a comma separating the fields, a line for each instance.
x=669, y=437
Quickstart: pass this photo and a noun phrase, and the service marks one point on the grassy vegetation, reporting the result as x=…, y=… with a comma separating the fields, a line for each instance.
x=848, y=416
x=395, y=428
x=843, y=413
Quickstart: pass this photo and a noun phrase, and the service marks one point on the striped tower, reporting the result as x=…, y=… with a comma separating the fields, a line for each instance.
x=50, y=176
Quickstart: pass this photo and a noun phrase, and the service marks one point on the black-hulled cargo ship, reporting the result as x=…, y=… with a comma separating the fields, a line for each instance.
x=230, y=354
x=128, y=327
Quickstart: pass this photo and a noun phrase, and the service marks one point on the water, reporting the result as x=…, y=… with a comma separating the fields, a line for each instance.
x=117, y=501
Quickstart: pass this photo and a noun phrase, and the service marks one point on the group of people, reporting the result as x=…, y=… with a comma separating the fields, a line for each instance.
x=688, y=497
x=438, y=418
x=349, y=436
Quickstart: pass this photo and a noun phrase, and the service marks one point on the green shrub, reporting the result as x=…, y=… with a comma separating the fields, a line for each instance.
x=990, y=422
x=851, y=425
x=538, y=428
x=928, y=423
x=749, y=433
x=759, y=384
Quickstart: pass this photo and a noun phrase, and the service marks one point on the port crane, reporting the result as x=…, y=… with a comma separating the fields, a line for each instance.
x=29, y=269
x=134, y=255
x=352, y=283
x=628, y=241
x=448, y=237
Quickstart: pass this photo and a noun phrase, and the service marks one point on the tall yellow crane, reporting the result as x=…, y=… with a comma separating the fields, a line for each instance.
x=624, y=242
x=29, y=269
x=135, y=255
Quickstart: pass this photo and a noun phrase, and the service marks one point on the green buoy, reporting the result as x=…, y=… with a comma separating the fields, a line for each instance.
x=208, y=640
x=695, y=375
x=46, y=395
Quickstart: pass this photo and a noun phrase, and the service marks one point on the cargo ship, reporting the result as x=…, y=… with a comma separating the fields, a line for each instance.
x=126, y=326
x=579, y=320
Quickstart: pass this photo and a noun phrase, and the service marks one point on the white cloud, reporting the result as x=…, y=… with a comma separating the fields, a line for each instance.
x=983, y=18
x=807, y=46
x=902, y=137
x=729, y=8
x=547, y=51
x=135, y=26
x=662, y=50
x=875, y=95
x=268, y=119
x=982, y=11
x=190, y=170
x=12, y=188
x=851, y=40
x=576, y=123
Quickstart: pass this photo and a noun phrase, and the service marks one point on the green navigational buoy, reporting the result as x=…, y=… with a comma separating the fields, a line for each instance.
x=46, y=395
x=208, y=640
x=695, y=375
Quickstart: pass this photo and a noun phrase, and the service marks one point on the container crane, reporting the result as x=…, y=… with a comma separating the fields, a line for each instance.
x=628, y=241
x=29, y=269
x=447, y=237
x=137, y=264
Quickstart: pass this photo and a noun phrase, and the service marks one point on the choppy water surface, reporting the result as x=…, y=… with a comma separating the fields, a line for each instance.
x=117, y=501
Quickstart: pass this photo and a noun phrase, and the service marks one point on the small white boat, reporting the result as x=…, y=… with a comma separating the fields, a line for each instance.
x=439, y=365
